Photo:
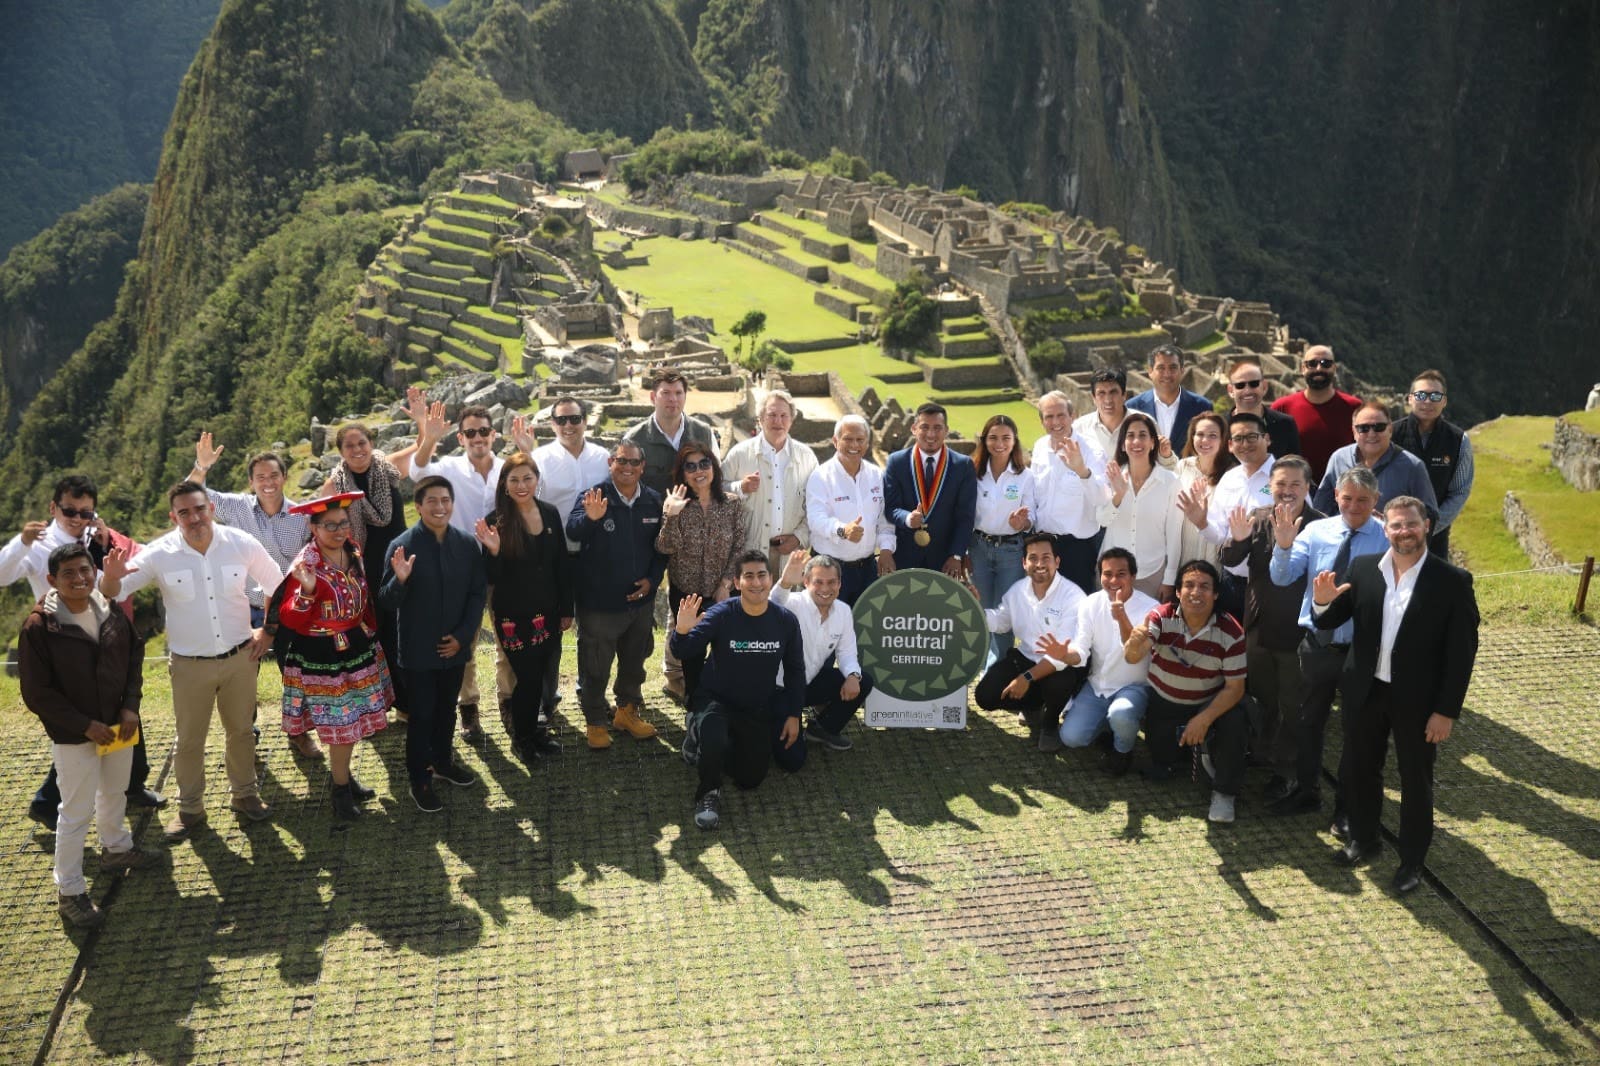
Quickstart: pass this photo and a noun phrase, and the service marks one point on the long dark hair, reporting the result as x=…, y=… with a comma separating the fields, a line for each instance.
x=514, y=538
x=1121, y=455
x=691, y=448
x=1225, y=457
x=980, y=455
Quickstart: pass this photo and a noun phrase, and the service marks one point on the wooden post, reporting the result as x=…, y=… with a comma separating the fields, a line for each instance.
x=1583, y=584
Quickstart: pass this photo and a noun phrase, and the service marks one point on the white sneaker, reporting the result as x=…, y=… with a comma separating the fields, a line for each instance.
x=1221, y=809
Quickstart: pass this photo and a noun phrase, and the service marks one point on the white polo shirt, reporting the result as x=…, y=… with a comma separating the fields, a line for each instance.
x=823, y=638
x=564, y=476
x=1031, y=617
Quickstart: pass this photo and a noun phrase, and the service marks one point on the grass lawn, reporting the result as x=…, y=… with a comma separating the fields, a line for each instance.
x=1509, y=457
x=1588, y=421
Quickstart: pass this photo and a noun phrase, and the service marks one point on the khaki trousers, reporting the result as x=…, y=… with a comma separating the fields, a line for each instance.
x=198, y=685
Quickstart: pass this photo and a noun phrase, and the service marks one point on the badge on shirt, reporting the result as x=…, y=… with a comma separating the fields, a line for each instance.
x=1013, y=492
x=609, y=525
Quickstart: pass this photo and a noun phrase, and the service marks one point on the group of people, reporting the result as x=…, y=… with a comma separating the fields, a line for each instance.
x=1142, y=567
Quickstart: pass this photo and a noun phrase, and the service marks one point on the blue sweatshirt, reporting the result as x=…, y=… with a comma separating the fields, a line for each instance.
x=746, y=651
x=615, y=552
x=443, y=598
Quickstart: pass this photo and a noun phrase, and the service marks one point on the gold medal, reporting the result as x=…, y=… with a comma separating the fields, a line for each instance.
x=928, y=493
x=922, y=537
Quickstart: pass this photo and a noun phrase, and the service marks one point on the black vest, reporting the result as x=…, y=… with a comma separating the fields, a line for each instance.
x=1440, y=455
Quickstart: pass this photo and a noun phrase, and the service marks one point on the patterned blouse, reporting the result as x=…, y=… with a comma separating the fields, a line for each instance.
x=338, y=604
x=700, y=544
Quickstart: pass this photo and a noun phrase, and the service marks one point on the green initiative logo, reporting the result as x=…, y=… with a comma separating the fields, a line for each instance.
x=921, y=635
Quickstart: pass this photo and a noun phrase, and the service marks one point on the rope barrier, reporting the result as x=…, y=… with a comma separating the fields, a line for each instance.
x=1566, y=568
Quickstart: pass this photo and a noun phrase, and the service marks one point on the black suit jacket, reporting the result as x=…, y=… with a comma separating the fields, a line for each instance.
x=954, y=512
x=1431, y=663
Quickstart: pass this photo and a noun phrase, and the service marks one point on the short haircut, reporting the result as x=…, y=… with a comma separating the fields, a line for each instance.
x=65, y=553
x=817, y=562
x=568, y=401
x=476, y=410
x=75, y=485
x=1118, y=553
x=1169, y=350
x=1372, y=405
x=1312, y=351
x=1398, y=503
x=1131, y=419
x=1243, y=360
x=1431, y=374
x=349, y=428
x=1200, y=566
x=1295, y=463
x=265, y=457
x=623, y=443
x=186, y=488
x=931, y=408
x=747, y=557
x=1114, y=375
x=852, y=420
x=668, y=376
x=1038, y=537
x=1247, y=416
x=1360, y=477
x=428, y=484
x=1057, y=394
x=776, y=394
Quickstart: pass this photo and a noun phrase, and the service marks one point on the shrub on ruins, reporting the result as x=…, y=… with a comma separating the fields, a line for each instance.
x=882, y=177
x=1049, y=358
x=555, y=227
x=786, y=159
x=1023, y=207
x=673, y=153
x=910, y=318
x=749, y=328
x=767, y=356
x=844, y=165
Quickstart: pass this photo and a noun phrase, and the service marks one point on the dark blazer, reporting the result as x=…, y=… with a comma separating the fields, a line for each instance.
x=1431, y=664
x=1284, y=431
x=443, y=598
x=1189, y=405
x=954, y=512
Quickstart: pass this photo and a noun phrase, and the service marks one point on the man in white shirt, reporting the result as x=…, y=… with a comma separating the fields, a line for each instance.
x=1247, y=485
x=1115, y=692
x=1099, y=427
x=1409, y=665
x=1041, y=608
x=835, y=685
x=769, y=473
x=473, y=477
x=1070, y=473
x=844, y=510
x=204, y=571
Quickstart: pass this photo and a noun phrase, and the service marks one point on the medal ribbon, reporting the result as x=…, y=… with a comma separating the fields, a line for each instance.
x=925, y=498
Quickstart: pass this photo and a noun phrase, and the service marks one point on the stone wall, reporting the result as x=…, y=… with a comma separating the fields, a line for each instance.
x=1526, y=530
x=1576, y=455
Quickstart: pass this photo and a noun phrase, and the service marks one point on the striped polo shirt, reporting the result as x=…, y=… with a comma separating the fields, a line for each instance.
x=1189, y=668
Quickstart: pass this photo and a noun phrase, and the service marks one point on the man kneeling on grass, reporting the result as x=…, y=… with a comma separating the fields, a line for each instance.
x=744, y=713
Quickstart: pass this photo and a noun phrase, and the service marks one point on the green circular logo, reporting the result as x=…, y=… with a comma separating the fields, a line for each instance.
x=920, y=634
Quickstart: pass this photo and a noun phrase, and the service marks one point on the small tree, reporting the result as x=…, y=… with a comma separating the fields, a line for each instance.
x=749, y=328
x=910, y=317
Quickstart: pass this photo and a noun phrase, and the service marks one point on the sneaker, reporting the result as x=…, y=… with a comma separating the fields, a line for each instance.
x=454, y=773
x=471, y=729
x=1050, y=737
x=708, y=810
x=1221, y=809
x=120, y=860
x=599, y=737
x=1118, y=763
x=305, y=745
x=1278, y=788
x=831, y=741
x=46, y=814
x=425, y=798
x=544, y=742
x=79, y=910
x=252, y=807
x=146, y=797
x=184, y=826
x=627, y=719
x=691, y=739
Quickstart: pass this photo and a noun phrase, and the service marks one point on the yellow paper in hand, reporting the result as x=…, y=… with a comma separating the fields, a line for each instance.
x=117, y=743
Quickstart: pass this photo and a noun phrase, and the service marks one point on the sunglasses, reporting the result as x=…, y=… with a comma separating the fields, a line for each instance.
x=1372, y=427
x=696, y=464
x=335, y=527
x=620, y=461
x=567, y=420
x=1318, y=364
x=1245, y=438
x=73, y=512
x=477, y=431
x=1255, y=383
x=1428, y=395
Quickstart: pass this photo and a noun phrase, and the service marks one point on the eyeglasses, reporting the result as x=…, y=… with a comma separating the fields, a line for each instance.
x=1428, y=395
x=1245, y=438
x=1254, y=383
x=477, y=431
x=73, y=512
x=623, y=461
x=567, y=420
x=692, y=465
x=1372, y=427
x=1318, y=364
x=334, y=527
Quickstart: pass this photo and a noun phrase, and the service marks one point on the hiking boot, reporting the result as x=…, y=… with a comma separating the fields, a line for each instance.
x=454, y=773
x=708, y=810
x=361, y=792
x=471, y=728
x=46, y=814
x=425, y=798
x=79, y=910
x=544, y=742
x=627, y=719
x=1221, y=812
x=599, y=737
x=344, y=803
x=120, y=860
x=831, y=741
x=184, y=826
x=305, y=745
x=252, y=807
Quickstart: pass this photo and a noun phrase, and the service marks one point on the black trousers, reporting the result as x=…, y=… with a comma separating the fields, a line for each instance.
x=531, y=665
x=430, y=734
x=49, y=793
x=1226, y=740
x=1045, y=698
x=1079, y=556
x=742, y=742
x=1366, y=746
x=1320, y=667
x=695, y=665
x=855, y=577
x=823, y=691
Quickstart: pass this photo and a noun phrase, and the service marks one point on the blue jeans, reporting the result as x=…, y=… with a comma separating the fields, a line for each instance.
x=1123, y=709
x=995, y=568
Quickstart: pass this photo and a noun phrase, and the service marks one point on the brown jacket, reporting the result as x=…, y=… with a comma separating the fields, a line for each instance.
x=69, y=678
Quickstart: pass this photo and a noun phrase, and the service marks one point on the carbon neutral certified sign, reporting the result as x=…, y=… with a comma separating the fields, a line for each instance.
x=921, y=637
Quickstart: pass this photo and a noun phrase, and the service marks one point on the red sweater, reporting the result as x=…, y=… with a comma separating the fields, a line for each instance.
x=1324, y=427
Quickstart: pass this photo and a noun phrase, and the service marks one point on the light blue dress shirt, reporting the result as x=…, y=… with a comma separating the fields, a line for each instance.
x=1313, y=552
